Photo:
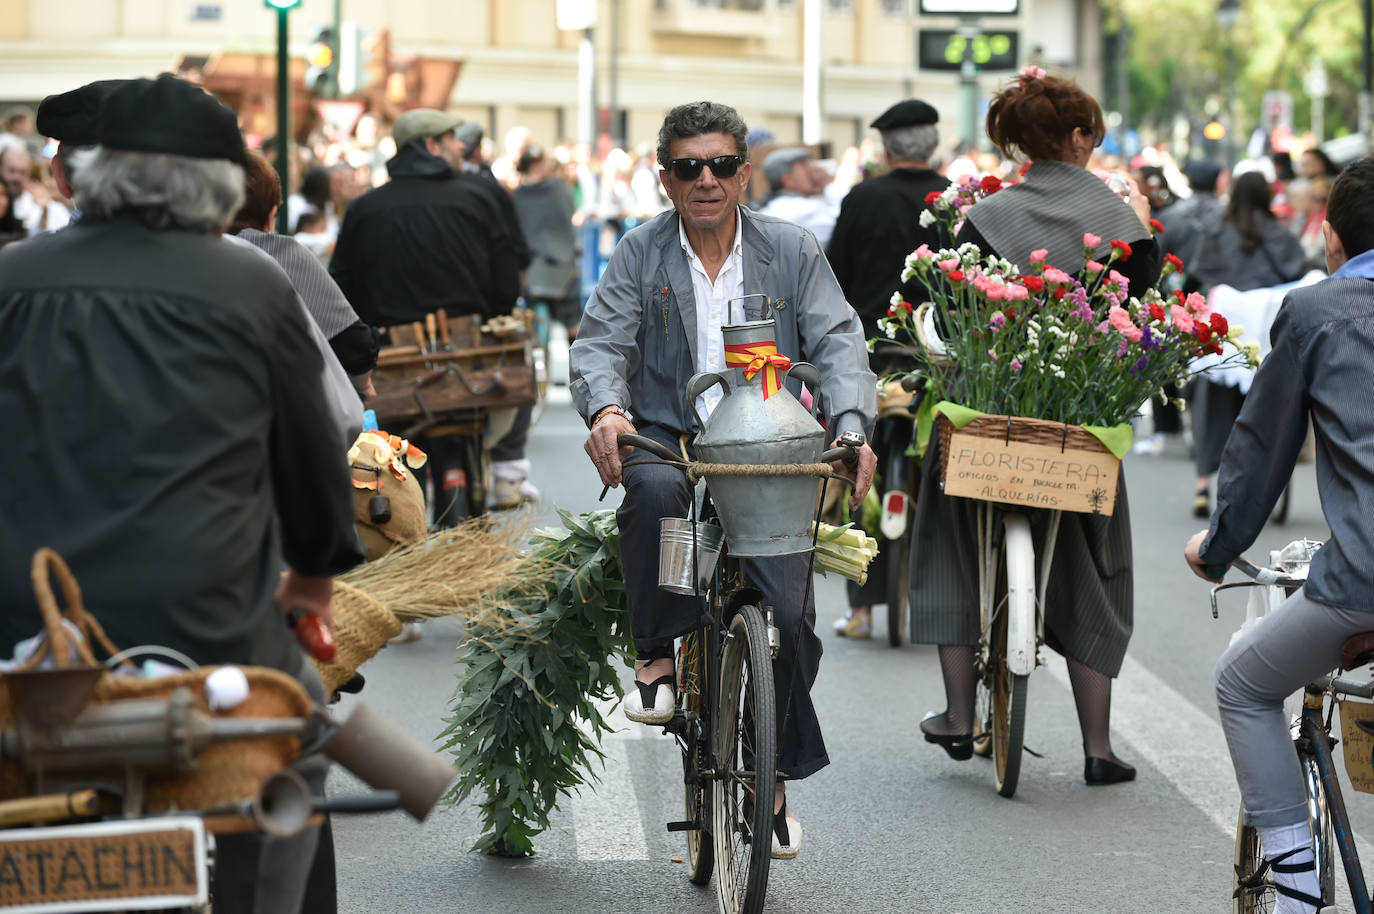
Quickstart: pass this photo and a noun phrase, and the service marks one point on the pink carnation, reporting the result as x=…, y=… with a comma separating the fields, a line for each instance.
x=1091, y=241
x=1016, y=292
x=1122, y=282
x=948, y=265
x=922, y=253
x=1121, y=321
x=1199, y=307
x=1181, y=319
x=1094, y=266
x=1038, y=256
x=1053, y=275
x=992, y=355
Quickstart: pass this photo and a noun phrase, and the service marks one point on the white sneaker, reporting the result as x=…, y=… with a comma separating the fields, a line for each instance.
x=528, y=490
x=410, y=631
x=661, y=707
x=792, y=848
x=506, y=493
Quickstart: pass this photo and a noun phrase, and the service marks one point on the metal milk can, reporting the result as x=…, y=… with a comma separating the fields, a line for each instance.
x=758, y=421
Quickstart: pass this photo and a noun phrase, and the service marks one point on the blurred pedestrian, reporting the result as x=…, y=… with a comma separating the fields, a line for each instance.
x=427, y=241
x=353, y=342
x=1247, y=249
x=798, y=193
x=877, y=227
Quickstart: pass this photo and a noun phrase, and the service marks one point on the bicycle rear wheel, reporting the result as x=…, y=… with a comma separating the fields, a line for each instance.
x=745, y=749
x=898, y=476
x=691, y=685
x=1256, y=895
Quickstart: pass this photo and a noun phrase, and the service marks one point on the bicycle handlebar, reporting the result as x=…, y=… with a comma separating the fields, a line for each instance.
x=1265, y=576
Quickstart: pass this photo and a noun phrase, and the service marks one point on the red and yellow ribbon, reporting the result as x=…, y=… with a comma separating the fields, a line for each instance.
x=758, y=357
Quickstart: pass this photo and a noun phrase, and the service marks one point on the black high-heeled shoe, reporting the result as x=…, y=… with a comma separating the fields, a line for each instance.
x=1098, y=771
x=959, y=746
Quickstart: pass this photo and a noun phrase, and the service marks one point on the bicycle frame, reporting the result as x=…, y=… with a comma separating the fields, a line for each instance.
x=1314, y=742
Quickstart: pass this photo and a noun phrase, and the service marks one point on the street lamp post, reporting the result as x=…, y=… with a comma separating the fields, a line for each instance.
x=1228, y=13
x=283, y=8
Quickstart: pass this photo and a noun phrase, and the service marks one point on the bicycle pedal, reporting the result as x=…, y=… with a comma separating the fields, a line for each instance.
x=687, y=825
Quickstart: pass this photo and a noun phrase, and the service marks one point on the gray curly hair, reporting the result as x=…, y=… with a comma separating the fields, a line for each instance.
x=166, y=192
x=698, y=118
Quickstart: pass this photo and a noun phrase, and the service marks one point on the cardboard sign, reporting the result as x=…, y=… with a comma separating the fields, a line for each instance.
x=1358, y=742
x=1032, y=475
x=94, y=867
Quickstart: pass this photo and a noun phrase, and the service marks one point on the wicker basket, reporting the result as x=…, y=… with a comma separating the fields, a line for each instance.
x=1066, y=440
x=226, y=772
x=362, y=627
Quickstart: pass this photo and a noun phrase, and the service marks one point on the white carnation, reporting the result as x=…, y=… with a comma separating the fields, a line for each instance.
x=927, y=218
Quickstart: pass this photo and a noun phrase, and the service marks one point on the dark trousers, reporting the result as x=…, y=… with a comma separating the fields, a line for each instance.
x=454, y=475
x=512, y=446
x=654, y=491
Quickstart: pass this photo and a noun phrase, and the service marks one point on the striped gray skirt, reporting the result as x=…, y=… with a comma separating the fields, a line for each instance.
x=1090, y=598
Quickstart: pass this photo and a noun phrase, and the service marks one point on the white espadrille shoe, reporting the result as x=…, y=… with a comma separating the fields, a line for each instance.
x=651, y=702
x=787, y=834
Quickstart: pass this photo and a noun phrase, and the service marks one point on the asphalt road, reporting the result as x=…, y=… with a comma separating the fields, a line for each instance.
x=892, y=825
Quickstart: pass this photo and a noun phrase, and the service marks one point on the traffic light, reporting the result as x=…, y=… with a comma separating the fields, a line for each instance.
x=322, y=73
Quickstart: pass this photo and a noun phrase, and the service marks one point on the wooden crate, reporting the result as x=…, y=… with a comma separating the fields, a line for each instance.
x=479, y=371
x=1028, y=462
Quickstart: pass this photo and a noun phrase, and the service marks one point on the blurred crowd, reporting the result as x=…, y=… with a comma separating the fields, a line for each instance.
x=611, y=193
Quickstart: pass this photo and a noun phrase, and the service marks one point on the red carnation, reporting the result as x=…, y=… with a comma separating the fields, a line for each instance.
x=1174, y=262
x=956, y=275
x=1059, y=293
x=1215, y=349
x=1180, y=298
x=1033, y=283
x=906, y=306
x=1156, y=226
x=932, y=197
x=1156, y=311
x=990, y=184
x=1124, y=248
x=1011, y=314
x=1219, y=325
x=1204, y=332
x=891, y=310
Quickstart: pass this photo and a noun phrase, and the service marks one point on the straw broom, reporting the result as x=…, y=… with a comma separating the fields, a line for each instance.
x=461, y=571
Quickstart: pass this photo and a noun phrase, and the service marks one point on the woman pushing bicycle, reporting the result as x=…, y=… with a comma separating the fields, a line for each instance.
x=1056, y=125
x=655, y=320
x=1318, y=369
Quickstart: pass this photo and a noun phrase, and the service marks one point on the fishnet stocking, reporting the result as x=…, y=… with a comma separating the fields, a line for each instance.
x=956, y=667
x=1092, y=695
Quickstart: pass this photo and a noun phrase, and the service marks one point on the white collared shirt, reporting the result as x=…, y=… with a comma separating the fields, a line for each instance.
x=713, y=307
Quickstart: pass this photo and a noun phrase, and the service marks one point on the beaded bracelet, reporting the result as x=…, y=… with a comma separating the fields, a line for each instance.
x=611, y=411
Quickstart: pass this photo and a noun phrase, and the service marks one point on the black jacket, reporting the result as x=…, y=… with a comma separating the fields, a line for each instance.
x=425, y=240
x=167, y=436
x=878, y=226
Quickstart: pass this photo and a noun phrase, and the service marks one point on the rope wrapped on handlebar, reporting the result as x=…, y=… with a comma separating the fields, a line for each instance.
x=698, y=469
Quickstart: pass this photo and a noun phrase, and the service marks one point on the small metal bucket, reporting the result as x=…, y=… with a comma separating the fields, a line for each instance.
x=675, y=554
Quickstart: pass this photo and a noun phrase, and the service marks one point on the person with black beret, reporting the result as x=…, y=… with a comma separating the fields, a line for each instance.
x=71, y=118
x=165, y=394
x=878, y=226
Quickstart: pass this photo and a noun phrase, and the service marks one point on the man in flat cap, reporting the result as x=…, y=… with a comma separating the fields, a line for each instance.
x=72, y=118
x=165, y=398
x=878, y=226
x=426, y=241
x=797, y=183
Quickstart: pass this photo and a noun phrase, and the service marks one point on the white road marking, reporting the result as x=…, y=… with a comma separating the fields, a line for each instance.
x=606, y=820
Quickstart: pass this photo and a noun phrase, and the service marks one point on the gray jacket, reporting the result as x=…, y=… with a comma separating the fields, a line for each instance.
x=636, y=346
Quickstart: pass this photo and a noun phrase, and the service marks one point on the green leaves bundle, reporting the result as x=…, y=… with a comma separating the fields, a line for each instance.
x=525, y=721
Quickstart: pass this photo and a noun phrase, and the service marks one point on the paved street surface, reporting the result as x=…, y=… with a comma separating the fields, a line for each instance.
x=893, y=825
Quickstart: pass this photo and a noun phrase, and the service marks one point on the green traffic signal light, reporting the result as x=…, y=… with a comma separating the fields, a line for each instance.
x=281, y=4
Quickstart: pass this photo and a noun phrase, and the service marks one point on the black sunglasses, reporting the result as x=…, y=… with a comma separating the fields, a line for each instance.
x=690, y=169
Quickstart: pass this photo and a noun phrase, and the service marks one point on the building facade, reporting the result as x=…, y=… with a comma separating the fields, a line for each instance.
x=514, y=66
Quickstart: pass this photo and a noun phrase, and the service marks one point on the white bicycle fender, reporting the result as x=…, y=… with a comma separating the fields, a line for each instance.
x=1021, y=629
x=896, y=509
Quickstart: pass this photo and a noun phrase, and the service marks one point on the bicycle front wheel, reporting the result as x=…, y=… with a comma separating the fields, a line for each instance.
x=745, y=748
x=691, y=685
x=898, y=476
x=1255, y=895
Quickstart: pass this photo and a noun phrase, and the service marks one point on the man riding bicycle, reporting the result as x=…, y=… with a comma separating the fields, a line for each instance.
x=1323, y=346
x=654, y=320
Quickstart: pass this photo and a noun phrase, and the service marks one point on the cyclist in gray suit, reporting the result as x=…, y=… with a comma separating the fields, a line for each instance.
x=654, y=321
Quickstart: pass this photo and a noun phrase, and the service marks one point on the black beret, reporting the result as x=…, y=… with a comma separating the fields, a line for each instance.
x=173, y=117
x=909, y=113
x=71, y=117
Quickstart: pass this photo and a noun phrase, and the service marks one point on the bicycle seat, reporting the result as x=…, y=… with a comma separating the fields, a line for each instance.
x=1357, y=651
